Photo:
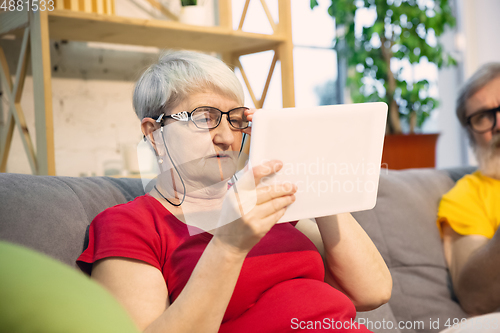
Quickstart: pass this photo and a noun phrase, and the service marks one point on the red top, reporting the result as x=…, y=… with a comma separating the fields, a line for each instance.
x=281, y=280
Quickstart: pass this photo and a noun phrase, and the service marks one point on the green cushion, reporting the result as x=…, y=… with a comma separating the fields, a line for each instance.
x=40, y=294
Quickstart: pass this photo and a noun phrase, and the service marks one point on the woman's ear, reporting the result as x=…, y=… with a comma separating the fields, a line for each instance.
x=148, y=127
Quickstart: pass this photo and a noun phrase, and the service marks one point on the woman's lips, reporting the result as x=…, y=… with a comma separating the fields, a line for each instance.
x=220, y=156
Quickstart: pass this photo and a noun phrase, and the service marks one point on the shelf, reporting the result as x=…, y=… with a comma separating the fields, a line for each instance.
x=80, y=26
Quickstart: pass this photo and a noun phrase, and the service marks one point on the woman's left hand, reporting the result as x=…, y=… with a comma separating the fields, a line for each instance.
x=249, y=114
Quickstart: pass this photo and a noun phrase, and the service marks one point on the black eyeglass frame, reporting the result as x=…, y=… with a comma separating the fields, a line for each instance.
x=494, y=111
x=185, y=116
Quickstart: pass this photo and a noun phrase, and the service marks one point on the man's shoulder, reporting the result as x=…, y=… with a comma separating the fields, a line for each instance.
x=468, y=185
x=476, y=182
x=473, y=189
x=469, y=206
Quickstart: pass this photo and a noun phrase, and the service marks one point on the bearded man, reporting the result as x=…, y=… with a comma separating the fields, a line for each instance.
x=469, y=214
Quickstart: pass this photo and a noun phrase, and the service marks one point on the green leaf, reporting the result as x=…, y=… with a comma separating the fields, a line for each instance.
x=378, y=28
x=331, y=11
x=372, y=83
x=188, y=2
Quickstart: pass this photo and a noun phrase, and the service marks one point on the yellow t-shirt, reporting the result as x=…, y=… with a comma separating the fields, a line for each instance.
x=472, y=206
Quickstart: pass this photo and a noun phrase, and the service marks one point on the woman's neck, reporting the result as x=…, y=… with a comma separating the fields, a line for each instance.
x=199, y=208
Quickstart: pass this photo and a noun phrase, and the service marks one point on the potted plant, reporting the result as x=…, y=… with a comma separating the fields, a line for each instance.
x=403, y=31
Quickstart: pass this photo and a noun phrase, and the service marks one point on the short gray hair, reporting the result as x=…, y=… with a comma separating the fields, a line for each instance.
x=481, y=78
x=180, y=73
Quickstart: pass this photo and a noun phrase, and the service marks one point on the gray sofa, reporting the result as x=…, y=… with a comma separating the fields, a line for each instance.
x=51, y=215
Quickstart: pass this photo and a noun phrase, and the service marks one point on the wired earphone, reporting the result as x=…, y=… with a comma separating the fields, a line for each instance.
x=178, y=173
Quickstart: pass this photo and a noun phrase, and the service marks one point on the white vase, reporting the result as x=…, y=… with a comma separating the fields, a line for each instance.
x=194, y=15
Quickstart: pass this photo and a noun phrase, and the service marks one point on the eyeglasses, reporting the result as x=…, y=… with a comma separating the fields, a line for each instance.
x=483, y=121
x=207, y=117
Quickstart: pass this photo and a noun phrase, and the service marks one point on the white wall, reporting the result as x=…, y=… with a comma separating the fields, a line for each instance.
x=448, y=151
x=476, y=42
x=482, y=28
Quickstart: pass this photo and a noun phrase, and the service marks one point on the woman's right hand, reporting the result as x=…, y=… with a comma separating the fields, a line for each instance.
x=242, y=234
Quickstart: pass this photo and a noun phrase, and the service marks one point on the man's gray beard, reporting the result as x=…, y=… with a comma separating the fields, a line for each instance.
x=488, y=157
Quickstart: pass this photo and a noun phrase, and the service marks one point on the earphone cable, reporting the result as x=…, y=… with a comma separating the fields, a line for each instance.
x=178, y=173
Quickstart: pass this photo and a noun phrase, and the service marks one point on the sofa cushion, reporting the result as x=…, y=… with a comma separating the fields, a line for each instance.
x=380, y=320
x=403, y=227
x=51, y=214
x=39, y=294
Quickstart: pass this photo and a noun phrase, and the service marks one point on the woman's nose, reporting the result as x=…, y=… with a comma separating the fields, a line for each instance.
x=223, y=134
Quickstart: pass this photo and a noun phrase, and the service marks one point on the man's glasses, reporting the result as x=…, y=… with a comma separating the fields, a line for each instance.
x=483, y=121
x=207, y=117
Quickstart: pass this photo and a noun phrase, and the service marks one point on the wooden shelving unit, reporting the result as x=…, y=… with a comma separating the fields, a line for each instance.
x=79, y=26
x=37, y=28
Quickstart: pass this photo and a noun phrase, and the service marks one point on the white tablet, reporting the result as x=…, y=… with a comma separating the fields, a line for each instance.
x=332, y=153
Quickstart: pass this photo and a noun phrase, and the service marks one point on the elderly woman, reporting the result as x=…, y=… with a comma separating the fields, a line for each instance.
x=249, y=275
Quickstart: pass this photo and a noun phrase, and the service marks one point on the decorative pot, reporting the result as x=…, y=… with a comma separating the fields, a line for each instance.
x=194, y=15
x=406, y=151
